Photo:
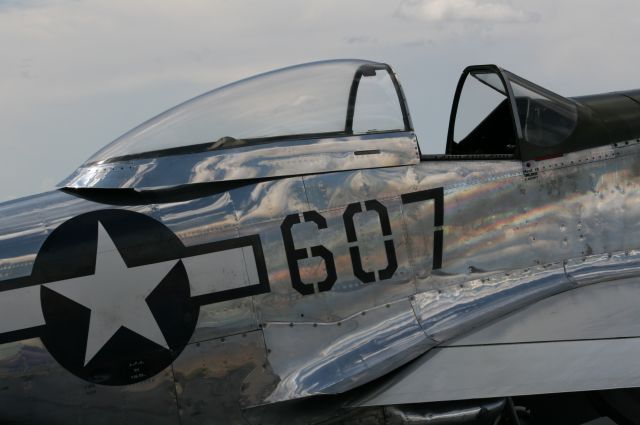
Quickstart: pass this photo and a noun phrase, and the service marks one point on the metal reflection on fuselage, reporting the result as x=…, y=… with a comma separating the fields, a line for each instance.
x=484, y=248
x=294, y=269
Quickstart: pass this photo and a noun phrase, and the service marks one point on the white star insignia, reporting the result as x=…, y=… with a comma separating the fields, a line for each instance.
x=116, y=296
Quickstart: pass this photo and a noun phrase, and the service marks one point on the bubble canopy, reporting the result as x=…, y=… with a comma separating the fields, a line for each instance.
x=319, y=99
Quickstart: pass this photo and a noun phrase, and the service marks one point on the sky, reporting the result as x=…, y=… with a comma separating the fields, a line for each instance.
x=76, y=74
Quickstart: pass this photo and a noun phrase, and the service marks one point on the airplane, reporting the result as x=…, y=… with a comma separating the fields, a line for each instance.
x=279, y=251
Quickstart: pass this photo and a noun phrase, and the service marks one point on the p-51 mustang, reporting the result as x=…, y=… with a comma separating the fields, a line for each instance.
x=278, y=251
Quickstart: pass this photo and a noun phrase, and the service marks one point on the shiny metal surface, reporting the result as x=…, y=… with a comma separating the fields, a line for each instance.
x=337, y=356
x=27, y=222
x=510, y=237
x=197, y=222
x=35, y=389
x=348, y=295
x=606, y=267
x=454, y=310
x=276, y=159
x=467, y=372
x=602, y=304
x=215, y=378
x=23, y=232
x=606, y=310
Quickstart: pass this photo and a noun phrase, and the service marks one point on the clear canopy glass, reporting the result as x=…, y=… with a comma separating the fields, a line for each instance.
x=546, y=118
x=480, y=97
x=307, y=99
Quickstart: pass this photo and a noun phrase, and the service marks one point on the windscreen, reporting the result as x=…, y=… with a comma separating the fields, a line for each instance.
x=482, y=94
x=299, y=100
x=546, y=119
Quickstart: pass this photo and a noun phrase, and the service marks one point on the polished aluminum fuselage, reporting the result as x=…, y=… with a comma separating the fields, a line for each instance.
x=512, y=233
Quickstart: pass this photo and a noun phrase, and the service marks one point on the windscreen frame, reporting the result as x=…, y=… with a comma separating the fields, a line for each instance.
x=509, y=94
x=577, y=139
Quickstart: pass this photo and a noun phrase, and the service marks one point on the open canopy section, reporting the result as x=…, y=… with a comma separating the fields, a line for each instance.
x=497, y=113
x=320, y=99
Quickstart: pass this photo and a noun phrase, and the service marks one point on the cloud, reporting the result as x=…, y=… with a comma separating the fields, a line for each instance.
x=487, y=11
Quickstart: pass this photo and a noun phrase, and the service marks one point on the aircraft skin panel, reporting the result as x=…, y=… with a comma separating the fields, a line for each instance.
x=448, y=245
x=582, y=339
x=597, y=311
x=348, y=294
x=23, y=232
x=278, y=159
x=447, y=314
x=225, y=318
x=215, y=378
x=370, y=343
x=480, y=371
x=38, y=390
x=268, y=201
x=200, y=220
x=232, y=271
x=21, y=309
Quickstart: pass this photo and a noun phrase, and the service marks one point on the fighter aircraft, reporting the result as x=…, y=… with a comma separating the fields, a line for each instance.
x=278, y=251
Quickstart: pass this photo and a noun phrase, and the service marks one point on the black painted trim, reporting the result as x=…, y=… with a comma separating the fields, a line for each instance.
x=375, y=205
x=359, y=271
x=438, y=237
x=253, y=241
x=296, y=254
x=17, y=283
x=349, y=225
x=21, y=335
x=392, y=261
x=437, y=195
x=354, y=251
x=368, y=152
x=369, y=70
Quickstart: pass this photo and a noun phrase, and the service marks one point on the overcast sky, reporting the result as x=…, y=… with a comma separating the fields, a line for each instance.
x=77, y=74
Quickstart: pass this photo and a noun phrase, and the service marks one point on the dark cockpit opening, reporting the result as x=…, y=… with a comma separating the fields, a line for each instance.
x=497, y=113
x=493, y=135
x=482, y=121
